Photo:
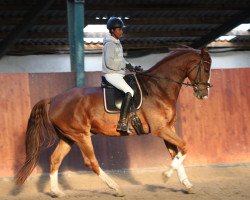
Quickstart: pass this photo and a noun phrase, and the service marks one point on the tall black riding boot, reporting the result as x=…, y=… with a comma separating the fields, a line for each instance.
x=123, y=122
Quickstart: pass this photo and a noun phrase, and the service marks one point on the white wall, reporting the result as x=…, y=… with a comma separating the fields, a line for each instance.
x=233, y=59
x=35, y=63
x=93, y=62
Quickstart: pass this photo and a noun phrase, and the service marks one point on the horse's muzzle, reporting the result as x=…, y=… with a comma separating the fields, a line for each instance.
x=201, y=93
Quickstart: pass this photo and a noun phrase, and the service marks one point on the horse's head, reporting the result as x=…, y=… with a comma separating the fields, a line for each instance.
x=199, y=75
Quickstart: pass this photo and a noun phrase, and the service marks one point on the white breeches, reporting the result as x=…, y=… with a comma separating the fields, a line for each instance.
x=117, y=81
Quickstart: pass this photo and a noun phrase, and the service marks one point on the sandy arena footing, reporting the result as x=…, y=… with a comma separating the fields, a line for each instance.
x=210, y=183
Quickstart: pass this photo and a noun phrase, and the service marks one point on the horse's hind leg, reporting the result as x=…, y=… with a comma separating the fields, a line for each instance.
x=86, y=147
x=59, y=153
x=179, y=167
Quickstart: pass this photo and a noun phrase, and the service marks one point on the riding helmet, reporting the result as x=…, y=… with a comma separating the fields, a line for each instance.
x=115, y=22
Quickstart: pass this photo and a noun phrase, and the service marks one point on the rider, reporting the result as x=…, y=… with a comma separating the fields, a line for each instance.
x=114, y=66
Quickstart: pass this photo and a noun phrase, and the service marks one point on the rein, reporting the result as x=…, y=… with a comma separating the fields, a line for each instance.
x=193, y=84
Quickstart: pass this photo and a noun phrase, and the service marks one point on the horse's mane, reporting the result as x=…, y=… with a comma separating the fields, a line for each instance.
x=173, y=54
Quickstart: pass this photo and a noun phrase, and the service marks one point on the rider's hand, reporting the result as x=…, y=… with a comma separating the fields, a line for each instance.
x=138, y=69
x=129, y=67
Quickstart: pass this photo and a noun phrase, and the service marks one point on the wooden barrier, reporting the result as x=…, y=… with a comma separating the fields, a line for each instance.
x=216, y=129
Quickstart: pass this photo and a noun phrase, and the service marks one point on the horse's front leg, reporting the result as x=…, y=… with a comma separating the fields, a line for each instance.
x=177, y=164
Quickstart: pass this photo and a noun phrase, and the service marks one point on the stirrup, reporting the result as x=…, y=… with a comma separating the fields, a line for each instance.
x=122, y=126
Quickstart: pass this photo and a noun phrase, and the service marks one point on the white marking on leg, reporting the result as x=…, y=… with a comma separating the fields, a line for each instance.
x=54, y=181
x=183, y=177
x=167, y=174
x=208, y=92
x=54, y=184
x=176, y=162
x=110, y=182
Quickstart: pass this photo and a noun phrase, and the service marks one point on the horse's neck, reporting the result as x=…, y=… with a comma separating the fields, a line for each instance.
x=161, y=88
x=169, y=73
x=165, y=82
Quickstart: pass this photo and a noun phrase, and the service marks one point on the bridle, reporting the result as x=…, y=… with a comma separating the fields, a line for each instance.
x=193, y=84
x=197, y=81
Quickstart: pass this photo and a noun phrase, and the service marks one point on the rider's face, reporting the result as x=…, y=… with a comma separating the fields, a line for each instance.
x=117, y=33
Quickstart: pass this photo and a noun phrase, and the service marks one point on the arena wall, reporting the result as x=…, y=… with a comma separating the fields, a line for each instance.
x=216, y=130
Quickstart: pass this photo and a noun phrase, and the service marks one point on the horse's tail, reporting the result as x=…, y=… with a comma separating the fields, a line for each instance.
x=39, y=129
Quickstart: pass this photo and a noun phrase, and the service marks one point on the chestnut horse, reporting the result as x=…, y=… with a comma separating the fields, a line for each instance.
x=78, y=113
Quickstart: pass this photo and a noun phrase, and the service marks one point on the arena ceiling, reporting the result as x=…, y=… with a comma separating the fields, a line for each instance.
x=38, y=27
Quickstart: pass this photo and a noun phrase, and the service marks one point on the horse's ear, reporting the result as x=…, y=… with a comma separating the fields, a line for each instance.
x=204, y=51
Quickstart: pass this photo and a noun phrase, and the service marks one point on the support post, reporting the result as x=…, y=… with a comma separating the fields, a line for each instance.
x=76, y=41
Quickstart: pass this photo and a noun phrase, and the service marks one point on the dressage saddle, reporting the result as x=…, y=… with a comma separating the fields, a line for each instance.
x=113, y=99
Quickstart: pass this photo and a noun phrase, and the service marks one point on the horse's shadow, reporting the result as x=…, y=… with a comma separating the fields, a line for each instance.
x=155, y=188
x=16, y=190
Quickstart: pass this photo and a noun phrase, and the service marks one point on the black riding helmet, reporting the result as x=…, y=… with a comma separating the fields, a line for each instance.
x=114, y=22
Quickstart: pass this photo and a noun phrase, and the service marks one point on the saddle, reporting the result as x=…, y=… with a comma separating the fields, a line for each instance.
x=113, y=97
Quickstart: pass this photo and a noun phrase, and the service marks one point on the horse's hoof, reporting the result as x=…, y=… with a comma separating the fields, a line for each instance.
x=166, y=175
x=188, y=185
x=165, y=178
x=56, y=194
x=119, y=194
x=190, y=190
